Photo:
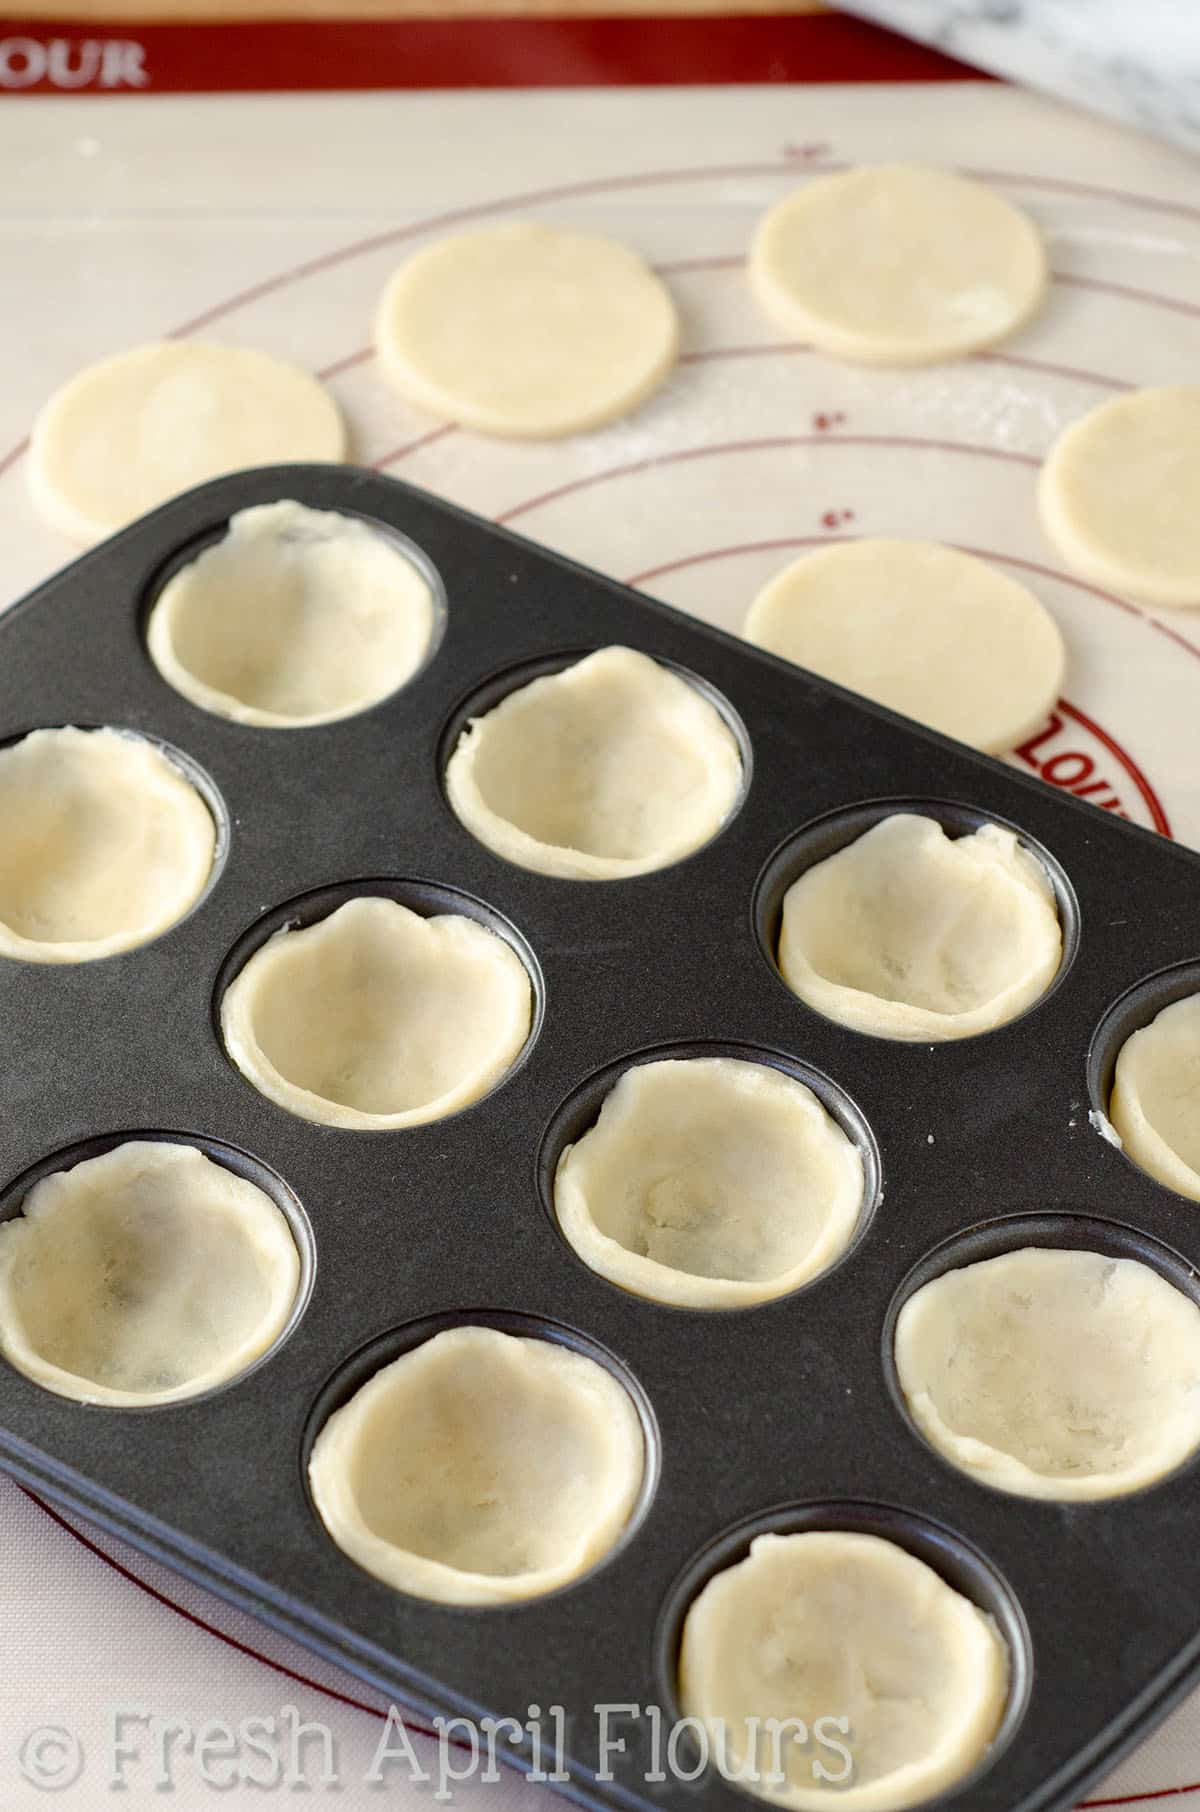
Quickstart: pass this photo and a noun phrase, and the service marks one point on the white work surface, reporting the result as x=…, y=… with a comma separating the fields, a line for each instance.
x=274, y=223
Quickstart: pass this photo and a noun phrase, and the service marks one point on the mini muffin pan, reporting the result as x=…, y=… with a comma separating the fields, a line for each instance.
x=784, y=1415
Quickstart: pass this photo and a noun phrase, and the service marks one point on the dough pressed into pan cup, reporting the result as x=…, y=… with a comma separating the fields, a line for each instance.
x=710, y=1183
x=375, y=1018
x=910, y=934
x=612, y=767
x=1054, y=1373
x=104, y=845
x=144, y=1276
x=480, y=1468
x=865, y=1644
x=297, y=616
x=1155, y=1104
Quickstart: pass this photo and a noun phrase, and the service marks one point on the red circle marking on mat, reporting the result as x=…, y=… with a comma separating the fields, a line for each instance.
x=601, y=185
x=982, y=553
x=328, y=260
x=1087, y=1805
x=765, y=444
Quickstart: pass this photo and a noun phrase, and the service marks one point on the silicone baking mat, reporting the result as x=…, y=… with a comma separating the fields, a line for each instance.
x=273, y=223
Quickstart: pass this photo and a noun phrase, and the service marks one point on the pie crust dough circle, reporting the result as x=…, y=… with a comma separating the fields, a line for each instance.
x=1155, y=1103
x=144, y=1276
x=908, y=933
x=480, y=1468
x=613, y=767
x=104, y=845
x=933, y=633
x=1120, y=495
x=898, y=264
x=128, y=433
x=839, y=1624
x=1054, y=1374
x=297, y=616
x=710, y=1183
x=375, y=1017
x=526, y=331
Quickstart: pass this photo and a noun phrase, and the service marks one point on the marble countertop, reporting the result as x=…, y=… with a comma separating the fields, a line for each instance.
x=1138, y=60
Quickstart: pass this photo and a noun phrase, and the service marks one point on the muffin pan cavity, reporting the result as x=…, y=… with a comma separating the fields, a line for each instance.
x=914, y=928
x=105, y=843
x=144, y=1274
x=1144, y=1077
x=295, y=617
x=929, y=1669
x=1065, y=1364
x=378, y=1016
x=710, y=1182
x=347, y=942
x=481, y=1466
x=612, y=766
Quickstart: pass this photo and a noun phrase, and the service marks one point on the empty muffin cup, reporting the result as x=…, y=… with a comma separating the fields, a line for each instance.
x=710, y=1183
x=296, y=616
x=1155, y=1105
x=899, y=1681
x=611, y=767
x=908, y=933
x=104, y=844
x=480, y=1467
x=144, y=1276
x=376, y=1017
x=1054, y=1373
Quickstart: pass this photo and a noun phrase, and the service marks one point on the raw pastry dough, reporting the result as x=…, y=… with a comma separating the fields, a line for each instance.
x=1155, y=1105
x=296, y=617
x=103, y=845
x=480, y=1468
x=144, y=1276
x=376, y=1017
x=613, y=767
x=927, y=630
x=1120, y=495
x=710, y=1182
x=1054, y=1374
x=131, y=431
x=907, y=933
x=526, y=330
x=837, y=1625
x=898, y=264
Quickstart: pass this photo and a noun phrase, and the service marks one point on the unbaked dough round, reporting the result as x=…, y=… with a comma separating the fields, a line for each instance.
x=898, y=264
x=908, y=933
x=376, y=1018
x=144, y=1276
x=480, y=1468
x=711, y=1183
x=836, y=1625
x=612, y=767
x=1120, y=495
x=924, y=629
x=103, y=845
x=526, y=331
x=1155, y=1103
x=296, y=617
x=1054, y=1374
x=130, y=432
